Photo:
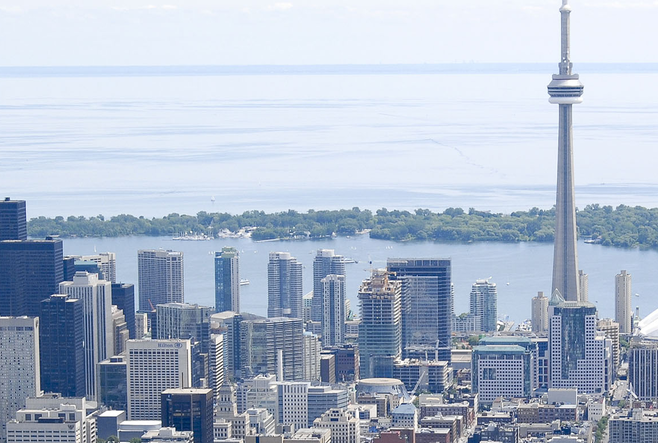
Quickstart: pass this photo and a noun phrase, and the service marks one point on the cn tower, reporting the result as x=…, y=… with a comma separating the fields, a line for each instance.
x=565, y=90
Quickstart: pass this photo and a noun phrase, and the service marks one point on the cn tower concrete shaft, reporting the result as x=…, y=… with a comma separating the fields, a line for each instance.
x=565, y=90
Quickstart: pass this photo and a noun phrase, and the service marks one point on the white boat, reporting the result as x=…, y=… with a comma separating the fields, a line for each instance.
x=193, y=237
x=244, y=281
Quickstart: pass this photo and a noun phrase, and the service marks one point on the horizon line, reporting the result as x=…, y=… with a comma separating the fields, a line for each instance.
x=315, y=69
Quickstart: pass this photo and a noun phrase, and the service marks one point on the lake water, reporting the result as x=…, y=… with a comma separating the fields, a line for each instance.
x=151, y=141
x=527, y=267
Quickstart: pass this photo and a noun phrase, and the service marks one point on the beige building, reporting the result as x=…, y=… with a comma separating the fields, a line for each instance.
x=345, y=428
x=540, y=313
x=623, y=311
x=611, y=330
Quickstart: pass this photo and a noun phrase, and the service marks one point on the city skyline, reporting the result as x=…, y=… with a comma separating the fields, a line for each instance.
x=406, y=368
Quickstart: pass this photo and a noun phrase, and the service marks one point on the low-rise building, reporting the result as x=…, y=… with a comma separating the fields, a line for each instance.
x=344, y=427
x=425, y=435
x=53, y=419
x=309, y=435
x=540, y=413
x=405, y=416
x=639, y=426
x=168, y=435
x=452, y=422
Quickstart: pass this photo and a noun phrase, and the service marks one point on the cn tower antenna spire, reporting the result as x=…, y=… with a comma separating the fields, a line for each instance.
x=565, y=60
x=565, y=90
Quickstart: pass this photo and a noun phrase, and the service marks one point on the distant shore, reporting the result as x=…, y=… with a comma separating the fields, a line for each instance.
x=623, y=226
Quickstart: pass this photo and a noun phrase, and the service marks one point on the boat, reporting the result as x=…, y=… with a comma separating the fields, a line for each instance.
x=193, y=237
x=244, y=281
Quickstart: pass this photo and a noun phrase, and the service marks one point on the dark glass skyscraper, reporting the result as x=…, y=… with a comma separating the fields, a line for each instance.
x=227, y=280
x=13, y=222
x=123, y=297
x=189, y=410
x=30, y=271
x=113, y=383
x=62, y=346
x=427, y=306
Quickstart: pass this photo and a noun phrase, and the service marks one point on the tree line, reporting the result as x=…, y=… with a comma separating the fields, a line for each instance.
x=623, y=226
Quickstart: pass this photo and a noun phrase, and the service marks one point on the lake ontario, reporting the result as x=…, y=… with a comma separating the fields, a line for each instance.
x=156, y=140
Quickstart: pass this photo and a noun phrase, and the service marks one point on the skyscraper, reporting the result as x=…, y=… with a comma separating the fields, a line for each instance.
x=184, y=321
x=189, y=409
x=503, y=369
x=484, y=304
x=96, y=296
x=580, y=356
x=30, y=271
x=333, y=316
x=62, y=338
x=643, y=368
x=119, y=331
x=261, y=341
x=583, y=285
x=623, y=309
x=540, y=313
x=123, y=296
x=284, y=286
x=13, y=222
x=161, y=278
x=326, y=262
x=153, y=366
x=427, y=305
x=380, y=330
x=113, y=383
x=227, y=280
x=565, y=90
x=19, y=365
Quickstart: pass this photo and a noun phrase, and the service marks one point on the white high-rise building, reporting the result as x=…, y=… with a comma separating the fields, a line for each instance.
x=643, y=368
x=484, y=304
x=312, y=348
x=96, y=296
x=583, y=285
x=333, y=313
x=579, y=355
x=152, y=367
x=141, y=325
x=503, y=367
x=293, y=403
x=216, y=363
x=284, y=286
x=19, y=365
x=540, y=313
x=53, y=419
x=107, y=263
x=326, y=262
x=161, y=278
x=623, y=310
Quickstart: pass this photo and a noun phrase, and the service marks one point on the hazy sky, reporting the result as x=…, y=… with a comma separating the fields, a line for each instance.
x=181, y=32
